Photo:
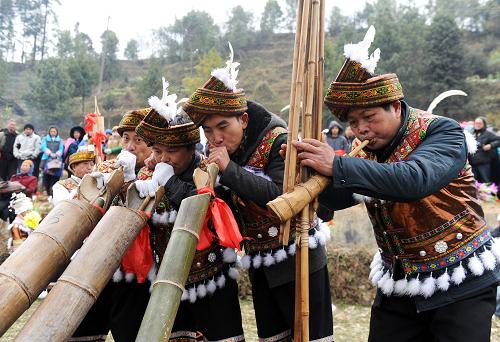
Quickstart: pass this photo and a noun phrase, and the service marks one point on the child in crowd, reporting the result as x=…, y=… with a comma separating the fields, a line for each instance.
x=25, y=222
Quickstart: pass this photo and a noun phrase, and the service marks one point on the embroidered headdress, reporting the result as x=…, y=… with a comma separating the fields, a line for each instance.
x=161, y=125
x=219, y=95
x=83, y=154
x=131, y=119
x=356, y=85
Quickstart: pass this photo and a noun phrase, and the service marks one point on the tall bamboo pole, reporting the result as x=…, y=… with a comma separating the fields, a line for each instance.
x=308, y=131
x=318, y=103
x=295, y=105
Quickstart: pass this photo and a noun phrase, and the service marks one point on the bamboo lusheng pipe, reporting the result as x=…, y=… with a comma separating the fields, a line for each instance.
x=84, y=279
x=47, y=251
x=44, y=254
x=162, y=308
x=290, y=204
x=295, y=103
x=158, y=320
x=309, y=116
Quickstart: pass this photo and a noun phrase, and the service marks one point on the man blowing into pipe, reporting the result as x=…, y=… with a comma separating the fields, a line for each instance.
x=122, y=303
x=211, y=285
x=244, y=141
x=437, y=264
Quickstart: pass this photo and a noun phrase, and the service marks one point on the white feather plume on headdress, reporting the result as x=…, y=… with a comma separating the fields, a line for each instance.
x=359, y=52
x=228, y=74
x=166, y=106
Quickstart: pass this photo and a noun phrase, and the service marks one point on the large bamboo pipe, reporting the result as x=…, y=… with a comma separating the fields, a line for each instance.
x=162, y=308
x=48, y=249
x=57, y=318
x=291, y=204
x=44, y=254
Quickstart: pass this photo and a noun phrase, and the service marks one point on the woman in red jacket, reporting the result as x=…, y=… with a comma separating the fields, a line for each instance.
x=25, y=178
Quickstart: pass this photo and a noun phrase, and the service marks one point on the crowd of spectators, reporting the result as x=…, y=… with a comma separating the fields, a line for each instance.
x=29, y=156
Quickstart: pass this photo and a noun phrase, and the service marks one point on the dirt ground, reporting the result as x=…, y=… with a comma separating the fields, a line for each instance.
x=350, y=323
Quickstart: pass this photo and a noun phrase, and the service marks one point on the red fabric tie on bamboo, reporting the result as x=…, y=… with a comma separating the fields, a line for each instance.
x=139, y=257
x=99, y=137
x=223, y=221
x=90, y=120
x=101, y=209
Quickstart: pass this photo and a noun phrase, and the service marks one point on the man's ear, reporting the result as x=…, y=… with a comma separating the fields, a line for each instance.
x=244, y=120
x=397, y=108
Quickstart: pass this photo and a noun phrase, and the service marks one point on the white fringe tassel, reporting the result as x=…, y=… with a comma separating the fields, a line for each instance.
x=386, y=284
x=229, y=255
x=458, y=275
x=414, y=286
x=495, y=249
x=401, y=287
x=428, y=287
x=246, y=262
x=443, y=282
x=202, y=289
x=477, y=264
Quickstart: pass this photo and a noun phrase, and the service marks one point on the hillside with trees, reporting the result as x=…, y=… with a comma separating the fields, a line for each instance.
x=446, y=45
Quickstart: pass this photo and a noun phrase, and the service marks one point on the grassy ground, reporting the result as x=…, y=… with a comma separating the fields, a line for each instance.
x=350, y=323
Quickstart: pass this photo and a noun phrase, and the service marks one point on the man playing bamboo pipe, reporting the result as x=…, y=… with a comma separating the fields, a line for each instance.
x=437, y=264
x=244, y=140
x=80, y=164
x=122, y=303
x=211, y=285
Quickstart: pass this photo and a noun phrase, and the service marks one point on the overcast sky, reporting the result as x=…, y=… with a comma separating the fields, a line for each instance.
x=135, y=19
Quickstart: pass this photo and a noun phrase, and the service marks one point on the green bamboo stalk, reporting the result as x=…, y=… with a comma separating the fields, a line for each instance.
x=165, y=298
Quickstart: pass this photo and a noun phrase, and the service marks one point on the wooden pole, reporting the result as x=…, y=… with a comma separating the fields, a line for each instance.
x=103, y=57
x=162, y=308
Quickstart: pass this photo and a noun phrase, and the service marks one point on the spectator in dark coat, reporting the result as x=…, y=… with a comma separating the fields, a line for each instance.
x=486, y=152
x=349, y=135
x=336, y=139
x=8, y=163
x=71, y=144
